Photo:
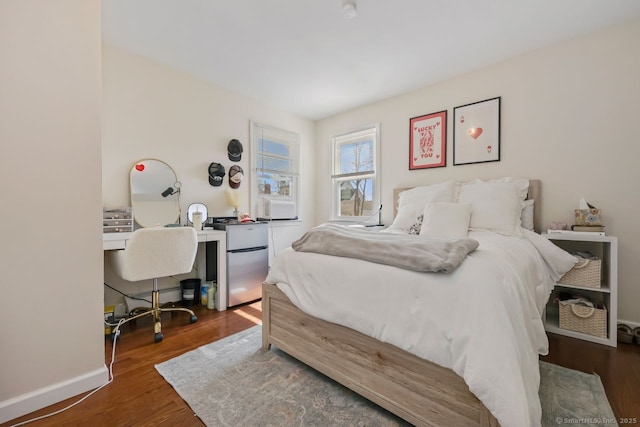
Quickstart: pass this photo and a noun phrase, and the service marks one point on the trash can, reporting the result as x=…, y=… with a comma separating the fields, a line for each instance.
x=190, y=289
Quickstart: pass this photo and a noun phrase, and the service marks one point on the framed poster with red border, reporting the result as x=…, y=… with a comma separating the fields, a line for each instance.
x=428, y=141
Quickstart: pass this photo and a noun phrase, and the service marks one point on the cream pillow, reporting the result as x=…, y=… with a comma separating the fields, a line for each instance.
x=446, y=220
x=521, y=184
x=495, y=206
x=526, y=216
x=411, y=203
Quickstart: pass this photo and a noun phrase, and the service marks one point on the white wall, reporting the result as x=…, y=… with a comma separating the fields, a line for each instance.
x=569, y=118
x=50, y=169
x=155, y=111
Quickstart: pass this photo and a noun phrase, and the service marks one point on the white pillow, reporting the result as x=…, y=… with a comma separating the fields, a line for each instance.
x=526, y=216
x=495, y=206
x=446, y=220
x=521, y=183
x=411, y=203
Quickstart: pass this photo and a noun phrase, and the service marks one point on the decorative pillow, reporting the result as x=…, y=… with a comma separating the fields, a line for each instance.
x=526, y=216
x=446, y=220
x=415, y=228
x=495, y=206
x=411, y=203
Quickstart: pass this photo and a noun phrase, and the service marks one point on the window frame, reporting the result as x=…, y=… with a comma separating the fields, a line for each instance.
x=282, y=136
x=337, y=178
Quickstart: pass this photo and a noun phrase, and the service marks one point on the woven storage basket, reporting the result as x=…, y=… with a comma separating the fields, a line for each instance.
x=588, y=320
x=585, y=273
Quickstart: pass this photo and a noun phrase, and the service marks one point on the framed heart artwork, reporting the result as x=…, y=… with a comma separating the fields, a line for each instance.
x=476, y=132
x=428, y=141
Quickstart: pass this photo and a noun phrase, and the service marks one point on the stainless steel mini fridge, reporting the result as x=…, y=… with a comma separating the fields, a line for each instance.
x=247, y=260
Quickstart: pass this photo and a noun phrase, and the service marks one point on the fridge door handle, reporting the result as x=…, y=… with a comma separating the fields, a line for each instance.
x=237, y=251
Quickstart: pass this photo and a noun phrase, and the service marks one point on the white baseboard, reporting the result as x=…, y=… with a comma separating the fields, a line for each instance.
x=629, y=323
x=38, y=399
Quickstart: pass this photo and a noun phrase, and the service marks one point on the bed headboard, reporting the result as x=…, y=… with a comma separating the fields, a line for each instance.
x=534, y=194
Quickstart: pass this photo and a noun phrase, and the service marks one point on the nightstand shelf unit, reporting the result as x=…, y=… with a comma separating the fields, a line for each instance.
x=605, y=248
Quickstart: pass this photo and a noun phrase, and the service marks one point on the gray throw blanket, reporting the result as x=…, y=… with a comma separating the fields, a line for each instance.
x=405, y=251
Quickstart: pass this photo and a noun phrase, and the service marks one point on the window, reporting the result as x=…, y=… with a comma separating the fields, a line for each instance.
x=355, y=177
x=275, y=162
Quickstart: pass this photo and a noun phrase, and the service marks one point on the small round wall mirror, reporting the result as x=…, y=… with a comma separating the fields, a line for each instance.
x=197, y=207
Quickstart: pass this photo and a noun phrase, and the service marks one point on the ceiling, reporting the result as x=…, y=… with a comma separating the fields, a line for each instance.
x=303, y=56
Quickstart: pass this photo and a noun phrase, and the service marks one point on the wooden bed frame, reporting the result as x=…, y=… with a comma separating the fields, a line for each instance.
x=416, y=390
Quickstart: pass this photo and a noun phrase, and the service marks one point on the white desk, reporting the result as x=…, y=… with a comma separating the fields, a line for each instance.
x=114, y=241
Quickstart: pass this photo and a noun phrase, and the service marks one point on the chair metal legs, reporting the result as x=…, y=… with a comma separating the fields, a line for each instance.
x=156, y=310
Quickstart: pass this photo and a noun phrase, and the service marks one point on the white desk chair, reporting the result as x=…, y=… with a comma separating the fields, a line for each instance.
x=152, y=253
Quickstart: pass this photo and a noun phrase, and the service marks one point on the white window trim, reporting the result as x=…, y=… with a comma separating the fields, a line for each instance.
x=335, y=195
x=255, y=130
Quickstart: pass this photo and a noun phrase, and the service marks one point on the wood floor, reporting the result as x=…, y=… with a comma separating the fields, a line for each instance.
x=139, y=396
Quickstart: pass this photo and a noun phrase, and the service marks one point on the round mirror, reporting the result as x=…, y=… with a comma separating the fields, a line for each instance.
x=155, y=193
x=197, y=207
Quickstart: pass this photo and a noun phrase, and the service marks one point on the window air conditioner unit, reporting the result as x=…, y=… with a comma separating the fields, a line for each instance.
x=269, y=209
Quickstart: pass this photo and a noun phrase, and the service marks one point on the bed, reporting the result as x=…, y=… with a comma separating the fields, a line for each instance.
x=426, y=377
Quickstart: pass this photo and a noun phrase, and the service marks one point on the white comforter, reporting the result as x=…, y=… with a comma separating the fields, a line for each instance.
x=483, y=321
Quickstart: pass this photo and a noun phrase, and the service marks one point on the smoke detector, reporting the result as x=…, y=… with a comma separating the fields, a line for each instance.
x=349, y=10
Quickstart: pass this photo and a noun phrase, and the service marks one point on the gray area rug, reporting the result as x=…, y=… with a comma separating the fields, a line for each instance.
x=233, y=382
